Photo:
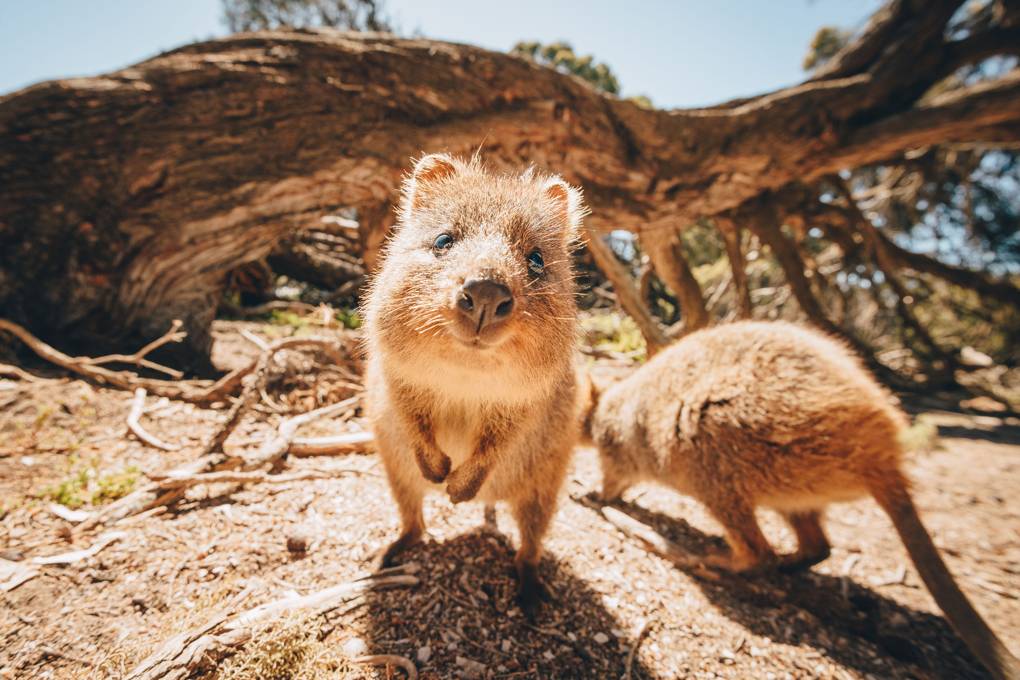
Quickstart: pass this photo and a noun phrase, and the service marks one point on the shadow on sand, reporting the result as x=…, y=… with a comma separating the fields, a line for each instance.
x=821, y=610
x=464, y=608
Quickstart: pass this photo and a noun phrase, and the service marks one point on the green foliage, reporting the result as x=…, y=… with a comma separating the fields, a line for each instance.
x=115, y=485
x=85, y=485
x=702, y=244
x=641, y=101
x=561, y=56
x=613, y=332
x=828, y=41
x=349, y=318
x=70, y=491
x=283, y=317
x=259, y=15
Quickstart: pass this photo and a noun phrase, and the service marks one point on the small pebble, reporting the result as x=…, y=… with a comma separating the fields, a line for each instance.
x=471, y=668
x=601, y=638
x=424, y=654
x=355, y=647
x=297, y=543
x=505, y=646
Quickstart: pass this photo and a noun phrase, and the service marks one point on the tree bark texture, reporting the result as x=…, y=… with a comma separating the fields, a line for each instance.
x=126, y=198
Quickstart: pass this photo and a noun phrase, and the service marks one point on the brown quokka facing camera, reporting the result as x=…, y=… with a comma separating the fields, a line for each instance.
x=470, y=322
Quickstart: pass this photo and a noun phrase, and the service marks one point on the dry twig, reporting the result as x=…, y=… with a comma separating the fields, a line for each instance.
x=172, y=481
x=134, y=424
x=196, y=391
x=225, y=633
x=165, y=491
x=79, y=555
x=400, y=662
x=633, y=649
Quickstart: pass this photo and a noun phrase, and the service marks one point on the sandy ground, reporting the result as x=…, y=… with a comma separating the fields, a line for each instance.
x=861, y=614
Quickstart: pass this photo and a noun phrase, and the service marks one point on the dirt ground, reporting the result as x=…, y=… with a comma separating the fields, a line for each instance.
x=861, y=614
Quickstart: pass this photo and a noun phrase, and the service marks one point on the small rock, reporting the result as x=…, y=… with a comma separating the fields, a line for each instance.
x=972, y=357
x=355, y=646
x=471, y=668
x=298, y=543
x=601, y=638
x=549, y=656
x=424, y=654
x=983, y=404
x=505, y=646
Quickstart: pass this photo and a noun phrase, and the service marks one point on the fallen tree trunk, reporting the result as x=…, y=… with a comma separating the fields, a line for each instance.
x=125, y=199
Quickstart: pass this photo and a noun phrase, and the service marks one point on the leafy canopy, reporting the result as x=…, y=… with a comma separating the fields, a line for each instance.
x=258, y=15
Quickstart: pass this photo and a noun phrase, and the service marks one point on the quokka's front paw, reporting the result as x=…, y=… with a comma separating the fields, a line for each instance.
x=464, y=482
x=435, y=465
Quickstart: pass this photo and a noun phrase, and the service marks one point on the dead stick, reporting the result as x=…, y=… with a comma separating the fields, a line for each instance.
x=85, y=366
x=389, y=660
x=658, y=543
x=183, y=654
x=633, y=650
x=179, y=481
x=134, y=424
x=338, y=444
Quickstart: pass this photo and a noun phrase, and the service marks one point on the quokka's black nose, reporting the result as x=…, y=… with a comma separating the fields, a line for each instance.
x=485, y=302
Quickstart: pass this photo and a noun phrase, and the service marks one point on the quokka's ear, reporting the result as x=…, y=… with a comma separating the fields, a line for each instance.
x=427, y=173
x=569, y=203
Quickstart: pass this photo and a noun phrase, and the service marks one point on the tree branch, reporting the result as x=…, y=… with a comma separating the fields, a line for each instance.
x=627, y=294
x=970, y=114
x=665, y=250
x=731, y=234
x=976, y=48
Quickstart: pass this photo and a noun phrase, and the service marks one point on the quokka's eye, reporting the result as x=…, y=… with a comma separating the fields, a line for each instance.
x=442, y=242
x=536, y=265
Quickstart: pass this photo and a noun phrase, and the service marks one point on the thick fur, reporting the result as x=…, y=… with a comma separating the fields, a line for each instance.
x=771, y=414
x=492, y=415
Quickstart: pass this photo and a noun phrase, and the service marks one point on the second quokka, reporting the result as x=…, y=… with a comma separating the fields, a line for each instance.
x=757, y=414
x=470, y=328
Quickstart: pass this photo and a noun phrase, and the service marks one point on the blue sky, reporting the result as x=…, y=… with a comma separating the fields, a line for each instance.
x=678, y=52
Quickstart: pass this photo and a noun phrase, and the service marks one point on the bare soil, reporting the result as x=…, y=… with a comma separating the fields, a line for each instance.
x=861, y=614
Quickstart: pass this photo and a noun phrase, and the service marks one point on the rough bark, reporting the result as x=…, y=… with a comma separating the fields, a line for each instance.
x=125, y=198
x=629, y=295
x=317, y=257
x=666, y=253
x=767, y=225
x=732, y=234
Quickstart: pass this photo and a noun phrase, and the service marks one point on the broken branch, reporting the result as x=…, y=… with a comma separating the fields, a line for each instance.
x=225, y=633
x=134, y=424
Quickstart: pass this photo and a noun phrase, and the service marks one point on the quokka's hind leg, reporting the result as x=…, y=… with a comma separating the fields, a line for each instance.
x=812, y=544
x=533, y=514
x=408, y=489
x=749, y=549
